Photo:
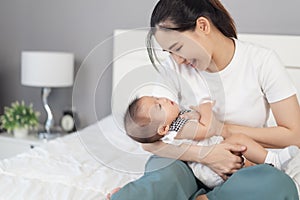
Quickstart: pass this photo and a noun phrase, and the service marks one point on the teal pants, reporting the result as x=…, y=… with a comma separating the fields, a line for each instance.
x=172, y=179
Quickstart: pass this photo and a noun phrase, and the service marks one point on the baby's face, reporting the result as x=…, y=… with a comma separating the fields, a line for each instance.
x=162, y=109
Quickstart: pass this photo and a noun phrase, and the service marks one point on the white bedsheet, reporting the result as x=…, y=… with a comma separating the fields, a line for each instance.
x=85, y=165
x=82, y=166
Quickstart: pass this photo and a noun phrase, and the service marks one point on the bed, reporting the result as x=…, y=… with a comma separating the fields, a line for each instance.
x=89, y=163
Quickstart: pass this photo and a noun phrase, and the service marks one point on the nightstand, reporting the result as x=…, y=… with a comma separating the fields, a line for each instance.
x=10, y=146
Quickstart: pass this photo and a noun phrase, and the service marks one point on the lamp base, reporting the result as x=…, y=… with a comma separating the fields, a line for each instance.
x=48, y=136
x=55, y=132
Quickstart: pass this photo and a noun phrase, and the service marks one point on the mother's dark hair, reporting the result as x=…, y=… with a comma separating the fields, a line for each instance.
x=181, y=15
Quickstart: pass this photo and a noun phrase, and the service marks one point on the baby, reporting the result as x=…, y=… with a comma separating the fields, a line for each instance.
x=150, y=119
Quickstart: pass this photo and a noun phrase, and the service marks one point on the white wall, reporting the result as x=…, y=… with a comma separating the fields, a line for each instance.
x=78, y=26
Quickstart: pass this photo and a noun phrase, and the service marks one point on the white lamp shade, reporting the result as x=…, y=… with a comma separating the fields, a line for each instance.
x=47, y=69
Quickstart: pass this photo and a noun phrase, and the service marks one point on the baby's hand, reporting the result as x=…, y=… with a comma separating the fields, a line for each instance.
x=191, y=115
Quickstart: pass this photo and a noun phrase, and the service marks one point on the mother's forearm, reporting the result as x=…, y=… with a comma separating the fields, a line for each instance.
x=183, y=152
x=271, y=137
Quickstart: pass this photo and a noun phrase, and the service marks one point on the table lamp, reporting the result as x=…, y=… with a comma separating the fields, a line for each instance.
x=47, y=70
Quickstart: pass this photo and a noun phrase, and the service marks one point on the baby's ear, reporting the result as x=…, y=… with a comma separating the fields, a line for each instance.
x=163, y=129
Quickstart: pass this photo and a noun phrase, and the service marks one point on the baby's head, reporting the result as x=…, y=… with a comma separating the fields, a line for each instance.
x=147, y=119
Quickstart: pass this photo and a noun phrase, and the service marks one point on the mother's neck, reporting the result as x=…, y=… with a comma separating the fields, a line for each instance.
x=223, y=51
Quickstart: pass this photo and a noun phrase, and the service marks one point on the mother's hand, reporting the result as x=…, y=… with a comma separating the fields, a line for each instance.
x=223, y=158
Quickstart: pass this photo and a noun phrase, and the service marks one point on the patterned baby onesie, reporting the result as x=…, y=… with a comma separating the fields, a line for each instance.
x=175, y=127
x=202, y=172
x=178, y=123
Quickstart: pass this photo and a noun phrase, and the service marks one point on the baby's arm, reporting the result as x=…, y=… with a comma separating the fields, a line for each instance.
x=254, y=152
x=206, y=114
x=201, y=128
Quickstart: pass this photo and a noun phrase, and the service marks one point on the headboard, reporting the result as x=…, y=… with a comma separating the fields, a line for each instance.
x=130, y=55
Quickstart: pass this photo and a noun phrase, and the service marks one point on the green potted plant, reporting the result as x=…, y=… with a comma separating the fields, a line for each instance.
x=19, y=118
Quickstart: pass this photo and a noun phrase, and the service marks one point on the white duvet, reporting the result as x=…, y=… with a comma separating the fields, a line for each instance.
x=74, y=167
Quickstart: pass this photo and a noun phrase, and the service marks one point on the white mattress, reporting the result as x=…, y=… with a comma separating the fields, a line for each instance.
x=85, y=165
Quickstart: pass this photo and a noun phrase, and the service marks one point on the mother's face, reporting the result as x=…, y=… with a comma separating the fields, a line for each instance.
x=185, y=47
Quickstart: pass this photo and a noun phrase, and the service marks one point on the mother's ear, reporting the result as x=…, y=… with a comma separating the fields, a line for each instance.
x=203, y=25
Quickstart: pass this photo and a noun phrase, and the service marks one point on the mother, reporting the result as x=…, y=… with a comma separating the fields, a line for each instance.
x=201, y=37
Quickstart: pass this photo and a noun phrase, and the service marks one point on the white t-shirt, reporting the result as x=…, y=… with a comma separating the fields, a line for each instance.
x=242, y=91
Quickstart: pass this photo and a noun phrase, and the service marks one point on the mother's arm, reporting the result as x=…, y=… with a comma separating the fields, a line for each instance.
x=220, y=157
x=287, y=131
